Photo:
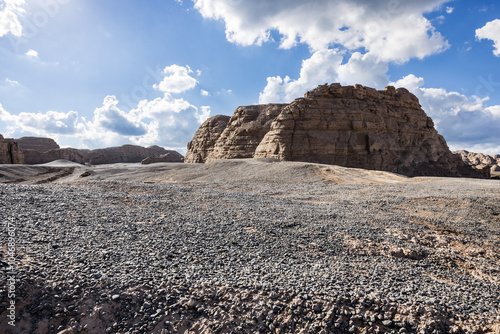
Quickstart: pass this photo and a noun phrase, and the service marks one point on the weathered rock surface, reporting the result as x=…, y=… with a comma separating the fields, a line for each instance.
x=480, y=160
x=33, y=157
x=168, y=157
x=352, y=126
x=10, y=152
x=123, y=154
x=43, y=150
x=205, y=138
x=38, y=144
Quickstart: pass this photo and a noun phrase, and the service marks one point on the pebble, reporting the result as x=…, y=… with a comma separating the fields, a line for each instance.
x=250, y=258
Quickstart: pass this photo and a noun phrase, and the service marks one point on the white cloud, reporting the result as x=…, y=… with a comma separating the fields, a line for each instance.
x=465, y=122
x=350, y=41
x=326, y=67
x=32, y=53
x=176, y=80
x=10, y=11
x=390, y=30
x=449, y=10
x=204, y=92
x=491, y=31
x=166, y=121
x=12, y=83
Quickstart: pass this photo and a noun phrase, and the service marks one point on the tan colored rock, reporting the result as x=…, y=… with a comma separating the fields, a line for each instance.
x=480, y=160
x=168, y=157
x=33, y=157
x=123, y=154
x=205, y=138
x=38, y=144
x=244, y=132
x=352, y=126
x=10, y=153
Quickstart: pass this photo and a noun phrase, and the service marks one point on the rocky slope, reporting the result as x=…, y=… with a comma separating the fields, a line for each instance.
x=38, y=144
x=480, y=160
x=352, y=126
x=10, y=152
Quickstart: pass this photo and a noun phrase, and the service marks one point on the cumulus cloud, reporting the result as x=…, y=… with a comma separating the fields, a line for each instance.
x=326, y=67
x=390, y=30
x=204, y=92
x=465, y=122
x=350, y=41
x=10, y=12
x=165, y=121
x=32, y=53
x=177, y=80
x=491, y=31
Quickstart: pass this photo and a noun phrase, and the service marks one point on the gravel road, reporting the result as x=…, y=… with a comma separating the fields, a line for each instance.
x=421, y=256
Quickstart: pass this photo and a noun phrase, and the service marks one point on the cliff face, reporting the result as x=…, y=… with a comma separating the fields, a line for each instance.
x=10, y=152
x=205, y=138
x=38, y=144
x=351, y=126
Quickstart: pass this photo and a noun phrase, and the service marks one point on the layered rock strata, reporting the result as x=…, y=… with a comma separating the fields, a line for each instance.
x=352, y=126
x=10, y=152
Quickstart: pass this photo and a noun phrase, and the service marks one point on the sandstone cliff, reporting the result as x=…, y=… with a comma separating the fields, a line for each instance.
x=205, y=138
x=352, y=126
x=10, y=152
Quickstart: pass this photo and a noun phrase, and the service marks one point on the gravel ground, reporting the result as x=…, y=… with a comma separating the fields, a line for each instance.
x=201, y=257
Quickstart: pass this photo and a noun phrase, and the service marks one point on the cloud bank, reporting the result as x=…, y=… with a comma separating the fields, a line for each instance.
x=165, y=121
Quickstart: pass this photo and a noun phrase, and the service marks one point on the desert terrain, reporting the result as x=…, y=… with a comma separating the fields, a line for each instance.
x=249, y=246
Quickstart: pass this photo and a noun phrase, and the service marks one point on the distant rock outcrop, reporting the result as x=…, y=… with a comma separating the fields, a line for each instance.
x=33, y=157
x=43, y=150
x=123, y=154
x=352, y=126
x=168, y=157
x=480, y=161
x=10, y=152
x=38, y=144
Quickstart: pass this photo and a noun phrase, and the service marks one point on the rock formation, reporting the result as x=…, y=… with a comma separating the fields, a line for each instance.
x=221, y=137
x=10, y=152
x=168, y=157
x=205, y=138
x=123, y=154
x=43, y=150
x=352, y=126
x=33, y=157
x=38, y=144
x=480, y=161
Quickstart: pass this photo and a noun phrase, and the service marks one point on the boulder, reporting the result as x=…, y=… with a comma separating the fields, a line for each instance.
x=10, y=153
x=351, y=126
x=168, y=157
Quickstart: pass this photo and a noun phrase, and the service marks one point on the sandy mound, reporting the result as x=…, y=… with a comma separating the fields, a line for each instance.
x=238, y=171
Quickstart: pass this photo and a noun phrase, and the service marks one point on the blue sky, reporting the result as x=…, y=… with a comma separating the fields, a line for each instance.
x=95, y=73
